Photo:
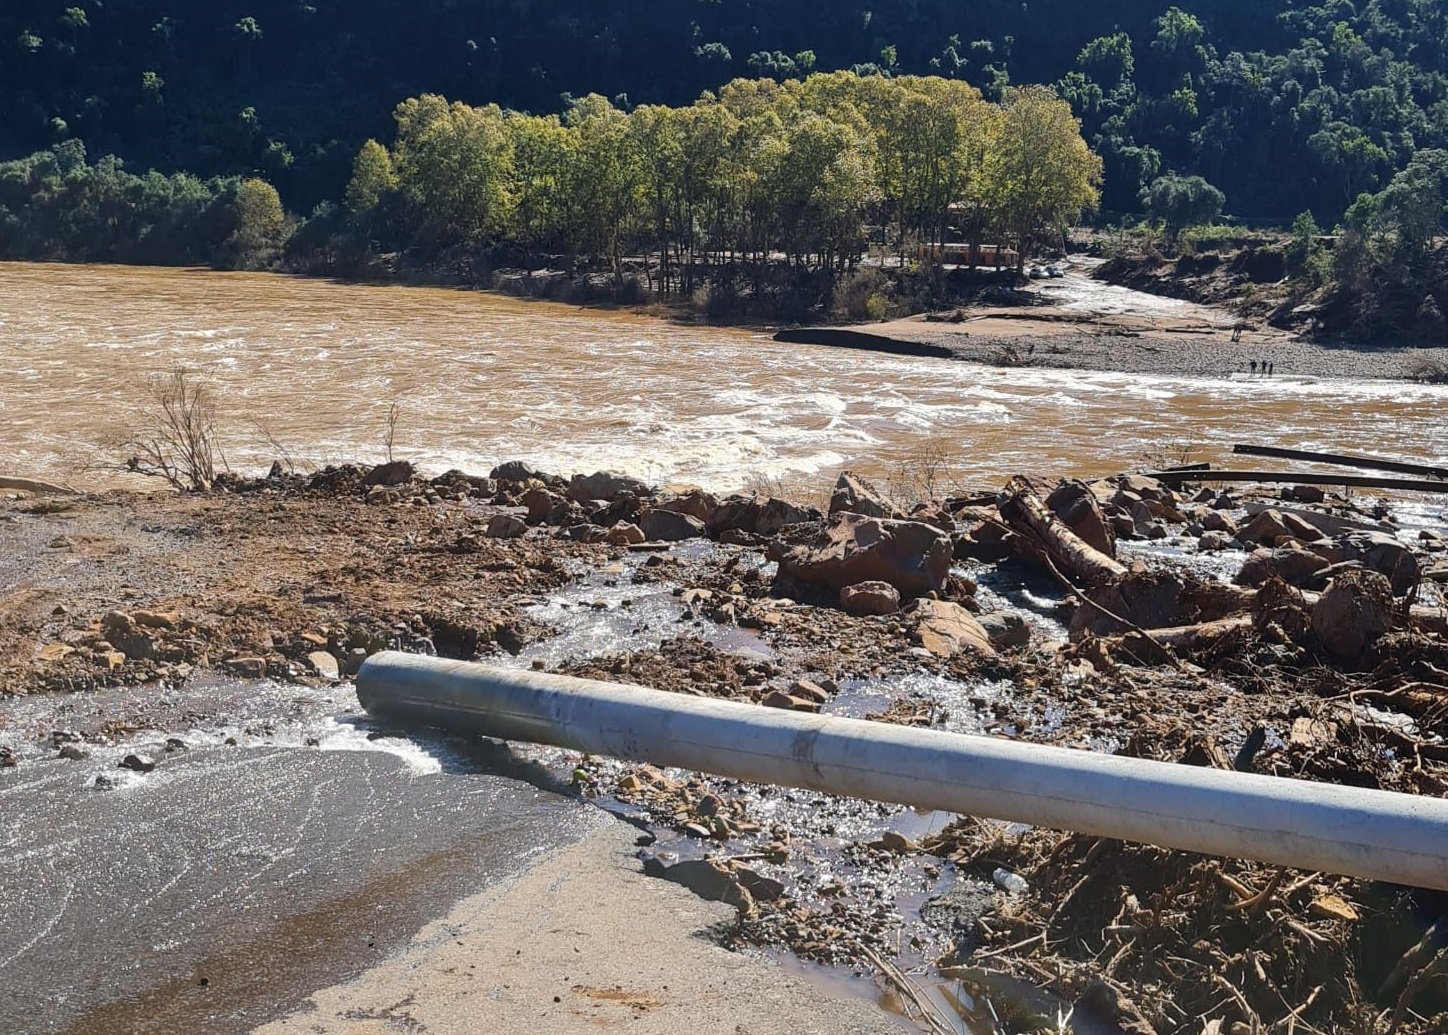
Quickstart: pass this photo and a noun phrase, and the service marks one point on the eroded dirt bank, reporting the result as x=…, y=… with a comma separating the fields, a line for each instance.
x=295, y=580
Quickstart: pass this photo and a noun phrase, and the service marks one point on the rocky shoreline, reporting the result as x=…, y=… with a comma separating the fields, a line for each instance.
x=1288, y=633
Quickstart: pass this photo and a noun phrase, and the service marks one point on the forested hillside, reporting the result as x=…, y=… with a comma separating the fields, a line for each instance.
x=1283, y=105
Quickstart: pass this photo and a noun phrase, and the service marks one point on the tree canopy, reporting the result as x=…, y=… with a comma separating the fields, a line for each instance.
x=1283, y=106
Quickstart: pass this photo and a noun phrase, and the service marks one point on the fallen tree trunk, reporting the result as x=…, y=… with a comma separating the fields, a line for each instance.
x=38, y=487
x=1027, y=515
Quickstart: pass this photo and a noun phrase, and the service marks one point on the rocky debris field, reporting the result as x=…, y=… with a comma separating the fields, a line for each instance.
x=1290, y=633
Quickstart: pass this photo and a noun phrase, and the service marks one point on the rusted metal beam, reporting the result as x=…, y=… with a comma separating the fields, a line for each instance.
x=1357, y=481
x=1371, y=463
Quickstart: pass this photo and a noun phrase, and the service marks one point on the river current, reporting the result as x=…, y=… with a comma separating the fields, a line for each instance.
x=315, y=366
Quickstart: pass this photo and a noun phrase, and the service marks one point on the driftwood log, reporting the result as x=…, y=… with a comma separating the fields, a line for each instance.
x=1029, y=517
x=38, y=487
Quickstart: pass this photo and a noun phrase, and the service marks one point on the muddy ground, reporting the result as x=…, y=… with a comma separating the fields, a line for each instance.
x=958, y=919
x=1088, y=320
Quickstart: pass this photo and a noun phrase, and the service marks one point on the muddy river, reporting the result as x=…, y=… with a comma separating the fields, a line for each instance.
x=315, y=367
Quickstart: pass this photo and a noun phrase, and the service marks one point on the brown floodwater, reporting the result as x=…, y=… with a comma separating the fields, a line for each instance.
x=479, y=378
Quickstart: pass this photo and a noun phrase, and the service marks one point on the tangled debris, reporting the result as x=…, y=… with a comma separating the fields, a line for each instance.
x=1296, y=634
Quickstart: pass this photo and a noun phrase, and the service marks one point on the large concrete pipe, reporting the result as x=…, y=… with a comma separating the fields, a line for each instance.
x=1374, y=834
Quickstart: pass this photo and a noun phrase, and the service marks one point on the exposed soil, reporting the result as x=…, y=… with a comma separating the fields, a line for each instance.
x=287, y=577
x=1200, y=315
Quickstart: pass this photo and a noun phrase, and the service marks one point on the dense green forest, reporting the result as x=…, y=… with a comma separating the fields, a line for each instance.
x=1283, y=105
x=711, y=130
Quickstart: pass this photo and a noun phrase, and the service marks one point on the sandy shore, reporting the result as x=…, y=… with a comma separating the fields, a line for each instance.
x=582, y=942
x=1077, y=323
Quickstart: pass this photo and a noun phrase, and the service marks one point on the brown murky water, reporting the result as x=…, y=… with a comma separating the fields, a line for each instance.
x=482, y=378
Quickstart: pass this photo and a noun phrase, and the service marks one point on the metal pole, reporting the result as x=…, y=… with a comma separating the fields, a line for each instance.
x=1379, y=835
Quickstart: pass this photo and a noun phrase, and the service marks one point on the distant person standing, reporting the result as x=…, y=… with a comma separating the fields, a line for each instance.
x=1254, y=367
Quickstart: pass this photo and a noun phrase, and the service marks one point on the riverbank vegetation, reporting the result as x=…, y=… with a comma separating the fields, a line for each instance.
x=764, y=184
x=1288, y=113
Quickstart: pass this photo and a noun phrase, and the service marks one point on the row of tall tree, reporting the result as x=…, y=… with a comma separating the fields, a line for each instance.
x=1283, y=106
x=797, y=171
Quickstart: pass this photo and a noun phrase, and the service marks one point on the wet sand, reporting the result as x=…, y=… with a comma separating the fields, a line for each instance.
x=580, y=943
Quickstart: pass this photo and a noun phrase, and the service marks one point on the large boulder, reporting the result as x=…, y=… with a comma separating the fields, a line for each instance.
x=505, y=526
x=669, y=526
x=514, y=471
x=605, y=485
x=696, y=503
x=854, y=495
x=1265, y=527
x=775, y=513
x=1382, y=553
x=394, y=472
x=540, y=503
x=1293, y=564
x=1355, y=610
x=735, y=514
x=1075, y=504
x=911, y=556
x=944, y=628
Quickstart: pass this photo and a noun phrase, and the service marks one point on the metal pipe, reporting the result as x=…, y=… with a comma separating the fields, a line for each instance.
x=1379, y=835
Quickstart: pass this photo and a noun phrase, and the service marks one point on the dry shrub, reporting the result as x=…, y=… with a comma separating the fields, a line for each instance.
x=176, y=439
x=921, y=474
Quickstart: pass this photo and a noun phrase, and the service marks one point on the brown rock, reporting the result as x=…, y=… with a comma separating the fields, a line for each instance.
x=624, y=534
x=138, y=763
x=1293, y=564
x=1005, y=629
x=1217, y=521
x=1383, y=553
x=247, y=667
x=760, y=887
x=780, y=699
x=912, y=557
x=855, y=495
x=669, y=526
x=775, y=513
x=808, y=690
x=540, y=503
x=870, y=598
x=696, y=503
x=1076, y=505
x=605, y=485
x=506, y=526
x=157, y=619
x=1354, y=611
x=396, y=472
x=944, y=628
x=1265, y=527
